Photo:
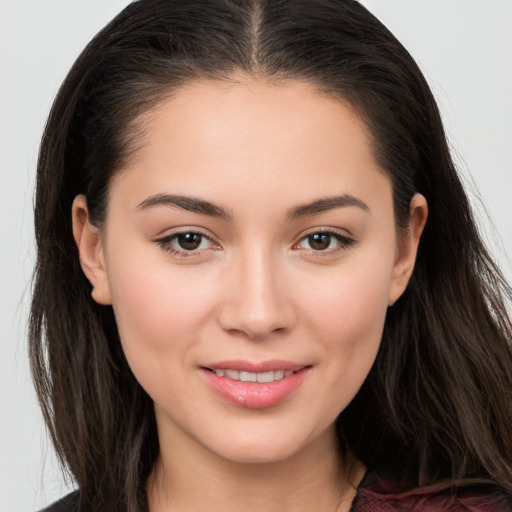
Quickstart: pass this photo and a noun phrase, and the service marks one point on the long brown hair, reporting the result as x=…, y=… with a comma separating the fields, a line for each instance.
x=438, y=400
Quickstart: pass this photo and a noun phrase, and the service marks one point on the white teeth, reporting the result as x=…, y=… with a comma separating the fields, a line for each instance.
x=265, y=377
x=232, y=374
x=254, y=377
x=248, y=376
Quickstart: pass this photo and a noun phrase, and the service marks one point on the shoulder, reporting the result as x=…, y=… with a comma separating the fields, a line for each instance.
x=380, y=495
x=67, y=504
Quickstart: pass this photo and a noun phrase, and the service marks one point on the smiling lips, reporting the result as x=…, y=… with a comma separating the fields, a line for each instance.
x=254, y=386
x=270, y=376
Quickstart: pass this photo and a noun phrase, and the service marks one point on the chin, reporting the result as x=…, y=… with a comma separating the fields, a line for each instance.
x=257, y=454
x=261, y=448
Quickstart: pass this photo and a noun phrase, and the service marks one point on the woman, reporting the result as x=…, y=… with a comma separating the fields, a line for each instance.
x=259, y=282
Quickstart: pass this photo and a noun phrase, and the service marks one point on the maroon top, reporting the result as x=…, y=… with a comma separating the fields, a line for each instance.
x=377, y=494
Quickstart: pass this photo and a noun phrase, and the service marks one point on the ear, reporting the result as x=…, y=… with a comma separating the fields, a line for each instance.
x=407, y=248
x=90, y=248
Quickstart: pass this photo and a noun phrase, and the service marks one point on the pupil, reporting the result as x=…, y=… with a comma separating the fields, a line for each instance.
x=189, y=241
x=319, y=241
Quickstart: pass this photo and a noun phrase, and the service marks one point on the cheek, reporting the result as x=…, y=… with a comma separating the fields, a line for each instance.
x=158, y=308
x=350, y=304
x=346, y=315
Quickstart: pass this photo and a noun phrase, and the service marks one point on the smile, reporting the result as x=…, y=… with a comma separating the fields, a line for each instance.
x=262, y=377
x=255, y=386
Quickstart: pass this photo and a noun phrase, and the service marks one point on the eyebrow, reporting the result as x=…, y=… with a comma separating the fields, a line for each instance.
x=200, y=206
x=190, y=204
x=326, y=204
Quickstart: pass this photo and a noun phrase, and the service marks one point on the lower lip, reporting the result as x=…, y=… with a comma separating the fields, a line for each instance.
x=254, y=395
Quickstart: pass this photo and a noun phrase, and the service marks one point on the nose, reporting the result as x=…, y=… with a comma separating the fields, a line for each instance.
x=257, y=302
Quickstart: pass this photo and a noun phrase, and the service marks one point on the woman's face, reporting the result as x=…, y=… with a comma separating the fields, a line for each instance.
x=251, y=237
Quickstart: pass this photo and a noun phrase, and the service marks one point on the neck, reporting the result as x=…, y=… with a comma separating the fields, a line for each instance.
x=189, y=477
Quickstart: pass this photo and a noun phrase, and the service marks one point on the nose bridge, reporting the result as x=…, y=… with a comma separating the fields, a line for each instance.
x=257, y=302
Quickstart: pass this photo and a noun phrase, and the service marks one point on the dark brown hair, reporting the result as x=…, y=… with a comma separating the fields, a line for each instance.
x=438, y=400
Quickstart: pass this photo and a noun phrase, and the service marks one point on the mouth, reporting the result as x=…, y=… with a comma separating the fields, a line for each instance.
x=261, y=377
x=255, y=386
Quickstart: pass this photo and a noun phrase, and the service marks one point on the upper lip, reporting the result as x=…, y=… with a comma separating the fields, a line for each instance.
x=256, y=367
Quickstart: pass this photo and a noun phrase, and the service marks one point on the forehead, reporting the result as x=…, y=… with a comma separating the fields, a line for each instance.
x=256, y=110
x=252, y=137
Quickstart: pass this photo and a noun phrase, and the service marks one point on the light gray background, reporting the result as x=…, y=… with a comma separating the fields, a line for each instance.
x=463, y=46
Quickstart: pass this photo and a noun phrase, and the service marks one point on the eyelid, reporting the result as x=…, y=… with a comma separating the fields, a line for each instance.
x=345, y=240
x=165, y=241
x=326, y=229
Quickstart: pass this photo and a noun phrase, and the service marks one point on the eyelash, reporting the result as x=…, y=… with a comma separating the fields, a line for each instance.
x=344, y=242
x=165, y=243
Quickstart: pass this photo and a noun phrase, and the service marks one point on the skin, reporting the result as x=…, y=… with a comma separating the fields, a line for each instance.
x=255, y=289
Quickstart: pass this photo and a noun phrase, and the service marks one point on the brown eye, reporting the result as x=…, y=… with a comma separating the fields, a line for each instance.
x=189, y=241
x=325, y=241
x=319, y=241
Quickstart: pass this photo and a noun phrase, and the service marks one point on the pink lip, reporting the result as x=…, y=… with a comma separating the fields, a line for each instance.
x=255, y=367
x=255, y=395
